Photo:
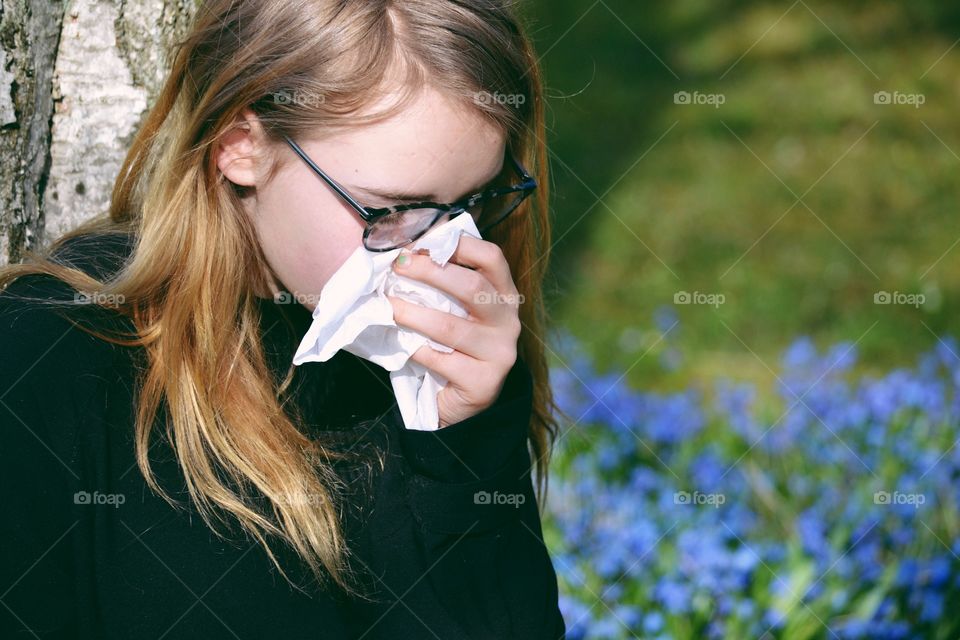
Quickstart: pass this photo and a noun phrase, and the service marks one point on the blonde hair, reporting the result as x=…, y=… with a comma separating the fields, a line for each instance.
x=196, y=261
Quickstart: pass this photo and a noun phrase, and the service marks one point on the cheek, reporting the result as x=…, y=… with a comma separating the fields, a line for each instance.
x=306, y=236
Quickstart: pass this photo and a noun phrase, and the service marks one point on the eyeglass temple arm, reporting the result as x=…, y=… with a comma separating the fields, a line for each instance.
x=524, y=174
x=330, y=181
x=528, y=182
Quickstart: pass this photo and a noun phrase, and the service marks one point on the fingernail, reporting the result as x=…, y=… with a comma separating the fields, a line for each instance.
x=402, y=260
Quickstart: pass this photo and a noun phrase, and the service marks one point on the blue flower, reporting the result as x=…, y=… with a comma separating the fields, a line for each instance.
x=652, y=622
x=665, y=318
x=673, y=595
x=802, y=352
x=631, y=523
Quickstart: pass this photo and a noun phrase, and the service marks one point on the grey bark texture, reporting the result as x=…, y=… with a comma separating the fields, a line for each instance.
x=76, y=79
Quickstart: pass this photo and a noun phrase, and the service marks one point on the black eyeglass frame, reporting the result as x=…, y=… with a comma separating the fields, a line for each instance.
x=371, y=214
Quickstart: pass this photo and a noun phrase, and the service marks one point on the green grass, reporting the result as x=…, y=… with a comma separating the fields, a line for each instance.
x=712, y=206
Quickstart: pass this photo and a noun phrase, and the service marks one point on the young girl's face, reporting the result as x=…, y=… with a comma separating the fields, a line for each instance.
x=434, y=149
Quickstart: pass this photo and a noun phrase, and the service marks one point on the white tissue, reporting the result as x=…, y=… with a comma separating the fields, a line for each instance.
x=354, y=314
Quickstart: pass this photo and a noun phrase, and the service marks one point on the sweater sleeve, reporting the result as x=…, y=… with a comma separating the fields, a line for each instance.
x=483, y=570
x=480, y=445
x=38, y=478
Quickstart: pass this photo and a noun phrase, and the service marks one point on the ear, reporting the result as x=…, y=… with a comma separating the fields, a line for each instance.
x=236, y=153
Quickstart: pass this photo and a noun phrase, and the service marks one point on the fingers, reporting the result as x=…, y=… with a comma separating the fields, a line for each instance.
x=482, y=283
x=461, y=334
x=487, y=258
x=449, y=365
x=469, y=378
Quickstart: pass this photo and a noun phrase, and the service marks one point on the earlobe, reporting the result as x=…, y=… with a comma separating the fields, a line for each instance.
x=235, y=151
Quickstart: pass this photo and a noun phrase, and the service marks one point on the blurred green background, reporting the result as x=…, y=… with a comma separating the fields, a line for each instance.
x=784, y=187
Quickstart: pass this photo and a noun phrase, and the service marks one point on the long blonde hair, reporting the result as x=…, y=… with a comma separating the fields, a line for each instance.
x=300, y=65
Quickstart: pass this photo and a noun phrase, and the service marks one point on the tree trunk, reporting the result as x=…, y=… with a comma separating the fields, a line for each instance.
x=76, y=79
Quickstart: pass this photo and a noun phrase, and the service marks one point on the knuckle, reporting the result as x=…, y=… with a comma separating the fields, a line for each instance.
x=506, y=355
x=510, y=356
x=448, y=329
x=498, y=257
x=489, y=252
x=424, y=355
x=476, y=284
x=515, y=327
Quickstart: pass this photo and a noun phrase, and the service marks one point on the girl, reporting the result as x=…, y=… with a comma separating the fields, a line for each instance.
x=147, y=373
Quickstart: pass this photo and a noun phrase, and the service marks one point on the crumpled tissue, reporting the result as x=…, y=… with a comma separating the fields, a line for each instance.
x=354, y=314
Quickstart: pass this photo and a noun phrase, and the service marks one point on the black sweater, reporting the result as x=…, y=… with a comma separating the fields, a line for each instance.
x=87, y=550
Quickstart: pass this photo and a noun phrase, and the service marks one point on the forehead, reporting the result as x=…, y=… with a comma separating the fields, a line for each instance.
x=433, y=145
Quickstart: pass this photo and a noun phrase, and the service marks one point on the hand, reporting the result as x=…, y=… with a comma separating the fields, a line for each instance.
x=484, y=343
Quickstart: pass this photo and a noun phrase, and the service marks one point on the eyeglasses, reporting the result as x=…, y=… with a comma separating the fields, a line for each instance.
x=390, y=228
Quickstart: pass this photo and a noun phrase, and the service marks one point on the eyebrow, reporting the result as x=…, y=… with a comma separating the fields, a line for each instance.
x=406, y=198
x=395, y=197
